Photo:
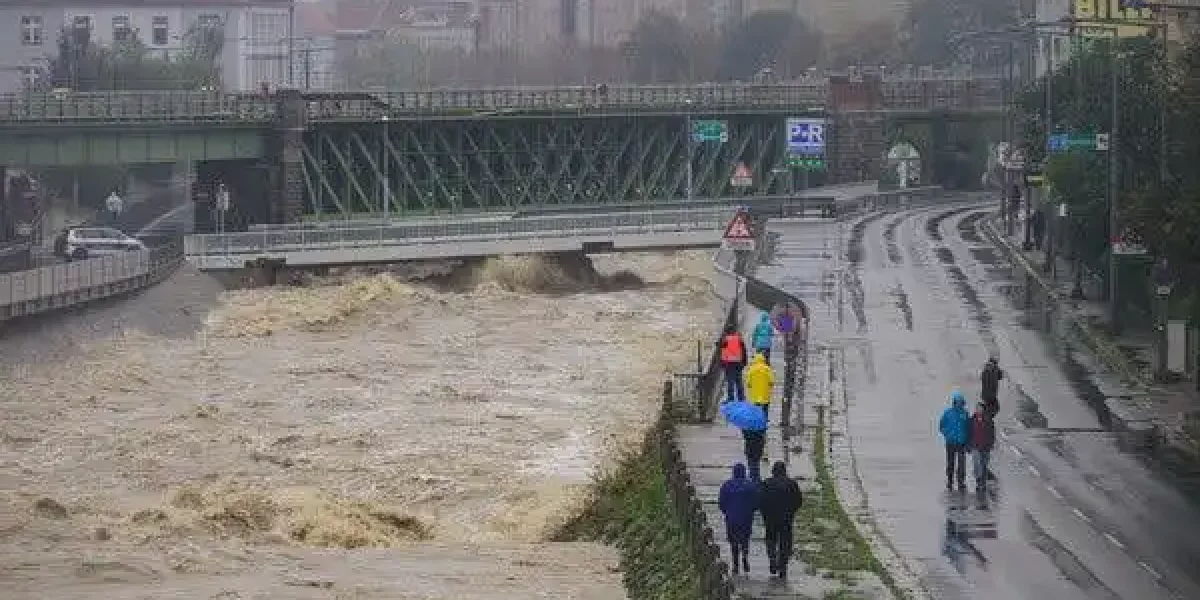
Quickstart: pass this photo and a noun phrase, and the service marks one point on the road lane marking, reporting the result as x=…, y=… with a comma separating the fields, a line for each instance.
x=1113, y=540
x=1149, y=569
x=1054, y=492
x=1079, y=514
x=1033, y=470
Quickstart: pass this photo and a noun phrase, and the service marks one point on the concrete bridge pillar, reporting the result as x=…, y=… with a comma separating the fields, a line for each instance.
x=857, y=141
x=287, y=195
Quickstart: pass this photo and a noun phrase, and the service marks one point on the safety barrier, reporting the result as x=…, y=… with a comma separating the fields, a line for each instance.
x=702, y=544
x=25, y=293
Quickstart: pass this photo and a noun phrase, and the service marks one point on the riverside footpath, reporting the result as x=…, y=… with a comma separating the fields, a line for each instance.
x=1167, y=414
x=831, y=559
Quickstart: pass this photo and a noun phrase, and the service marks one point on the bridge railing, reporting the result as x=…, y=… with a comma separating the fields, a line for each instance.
x=398, y=234
x=24, y=293
x=673, y=97
x=135, y=106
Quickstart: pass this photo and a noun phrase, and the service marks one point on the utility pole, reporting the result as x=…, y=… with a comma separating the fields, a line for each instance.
x=1114, y=232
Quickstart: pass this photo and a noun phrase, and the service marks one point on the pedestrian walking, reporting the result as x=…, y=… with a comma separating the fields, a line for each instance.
x=989, y=381
x=738, y=500
x=1038, y=228
x=780, y=500
x=115, y=206
x=733, y=362
x=956, y=433
x=760, y=381
x=764, y=336
x=982, y=439
x=989, y=386
x=754, y=444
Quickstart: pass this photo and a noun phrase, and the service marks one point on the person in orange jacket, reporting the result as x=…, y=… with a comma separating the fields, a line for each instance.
x=733, y=361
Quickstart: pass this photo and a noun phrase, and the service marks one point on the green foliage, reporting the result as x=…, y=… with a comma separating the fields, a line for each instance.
x=935, y=31
x=1156, y=97
x=826, y=538
x=82, y=65
x=631, y=509
x=774, y=39
x=661, y=48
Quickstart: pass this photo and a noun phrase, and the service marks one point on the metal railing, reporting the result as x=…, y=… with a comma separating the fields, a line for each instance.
x=24, y=293
x=901, y=93
x=401, y=234
x=151, y=106
x=371, y=105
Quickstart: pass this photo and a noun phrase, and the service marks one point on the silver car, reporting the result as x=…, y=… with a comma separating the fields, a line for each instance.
x=79, y=243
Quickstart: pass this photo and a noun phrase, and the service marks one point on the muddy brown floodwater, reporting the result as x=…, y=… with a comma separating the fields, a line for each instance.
x=365, y=438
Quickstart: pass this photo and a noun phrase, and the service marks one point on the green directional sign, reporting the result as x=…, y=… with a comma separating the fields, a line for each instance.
x=710, y=131
x=1086, y=142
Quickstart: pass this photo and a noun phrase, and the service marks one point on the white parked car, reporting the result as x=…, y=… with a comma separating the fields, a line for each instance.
x=79, y=243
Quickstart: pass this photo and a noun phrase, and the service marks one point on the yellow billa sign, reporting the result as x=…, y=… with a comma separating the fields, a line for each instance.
x=1105, y=18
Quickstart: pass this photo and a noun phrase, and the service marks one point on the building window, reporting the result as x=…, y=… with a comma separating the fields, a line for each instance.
x=122, y=32
x=159, y=31
x=82, y=22
x=31, y=77
x=31, y=31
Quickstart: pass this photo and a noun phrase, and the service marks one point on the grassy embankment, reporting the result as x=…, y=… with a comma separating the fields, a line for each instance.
x=828, y=541
x=632, y=510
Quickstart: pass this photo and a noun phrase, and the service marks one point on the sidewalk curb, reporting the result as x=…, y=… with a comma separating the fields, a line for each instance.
x=1104, y=350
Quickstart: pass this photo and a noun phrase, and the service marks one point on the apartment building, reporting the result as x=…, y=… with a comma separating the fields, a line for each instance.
x=258, y=34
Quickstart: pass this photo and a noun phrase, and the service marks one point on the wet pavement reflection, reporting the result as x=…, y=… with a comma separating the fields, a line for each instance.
x=919, y=302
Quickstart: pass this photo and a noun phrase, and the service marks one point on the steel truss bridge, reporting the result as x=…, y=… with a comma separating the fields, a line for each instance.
x=289, y=155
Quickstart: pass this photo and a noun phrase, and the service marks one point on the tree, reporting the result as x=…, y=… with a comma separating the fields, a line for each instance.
x=936, y=32
x=1164, y=211
x=771, y=39
x=876, y=43
x=659, y=49
x=128, y=64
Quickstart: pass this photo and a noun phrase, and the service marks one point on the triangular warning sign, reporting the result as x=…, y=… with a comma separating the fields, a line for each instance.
x=742, y=172
x=739, y=228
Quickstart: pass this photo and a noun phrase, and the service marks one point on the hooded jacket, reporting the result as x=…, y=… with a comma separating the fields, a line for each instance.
x=781, y=496
x=764, y=332
x=759, y=381
x=955, y=425
x=738, y=500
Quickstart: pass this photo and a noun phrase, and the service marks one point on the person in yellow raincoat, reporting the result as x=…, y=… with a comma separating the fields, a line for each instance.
x=760, y=380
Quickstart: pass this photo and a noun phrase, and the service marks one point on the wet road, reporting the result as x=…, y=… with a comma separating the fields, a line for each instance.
x=914, y=307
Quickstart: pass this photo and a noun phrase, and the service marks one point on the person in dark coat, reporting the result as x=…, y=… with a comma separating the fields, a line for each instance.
x=989, y=381
x=1038, y=228
x=780, y=500
x=983, y=439
x=989, y=386
x=755, y=444
x=738, y=501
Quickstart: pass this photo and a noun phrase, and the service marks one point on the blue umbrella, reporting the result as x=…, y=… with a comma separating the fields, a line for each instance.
x=744, y=415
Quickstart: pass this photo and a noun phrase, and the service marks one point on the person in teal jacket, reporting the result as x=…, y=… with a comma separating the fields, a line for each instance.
x=763, y=335
x=955, y=427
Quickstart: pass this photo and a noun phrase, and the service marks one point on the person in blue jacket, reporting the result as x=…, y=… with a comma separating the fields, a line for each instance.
x=763, y=335
x=955, y=427
x=738, y=500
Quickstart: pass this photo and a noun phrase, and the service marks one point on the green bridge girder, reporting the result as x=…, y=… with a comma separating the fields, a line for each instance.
x=288, y=154
x=468, y=165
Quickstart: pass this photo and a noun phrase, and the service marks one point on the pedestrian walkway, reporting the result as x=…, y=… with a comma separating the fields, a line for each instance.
x=1173, y=406
x=710, y=451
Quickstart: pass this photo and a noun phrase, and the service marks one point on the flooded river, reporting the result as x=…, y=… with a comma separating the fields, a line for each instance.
x=365, y=437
